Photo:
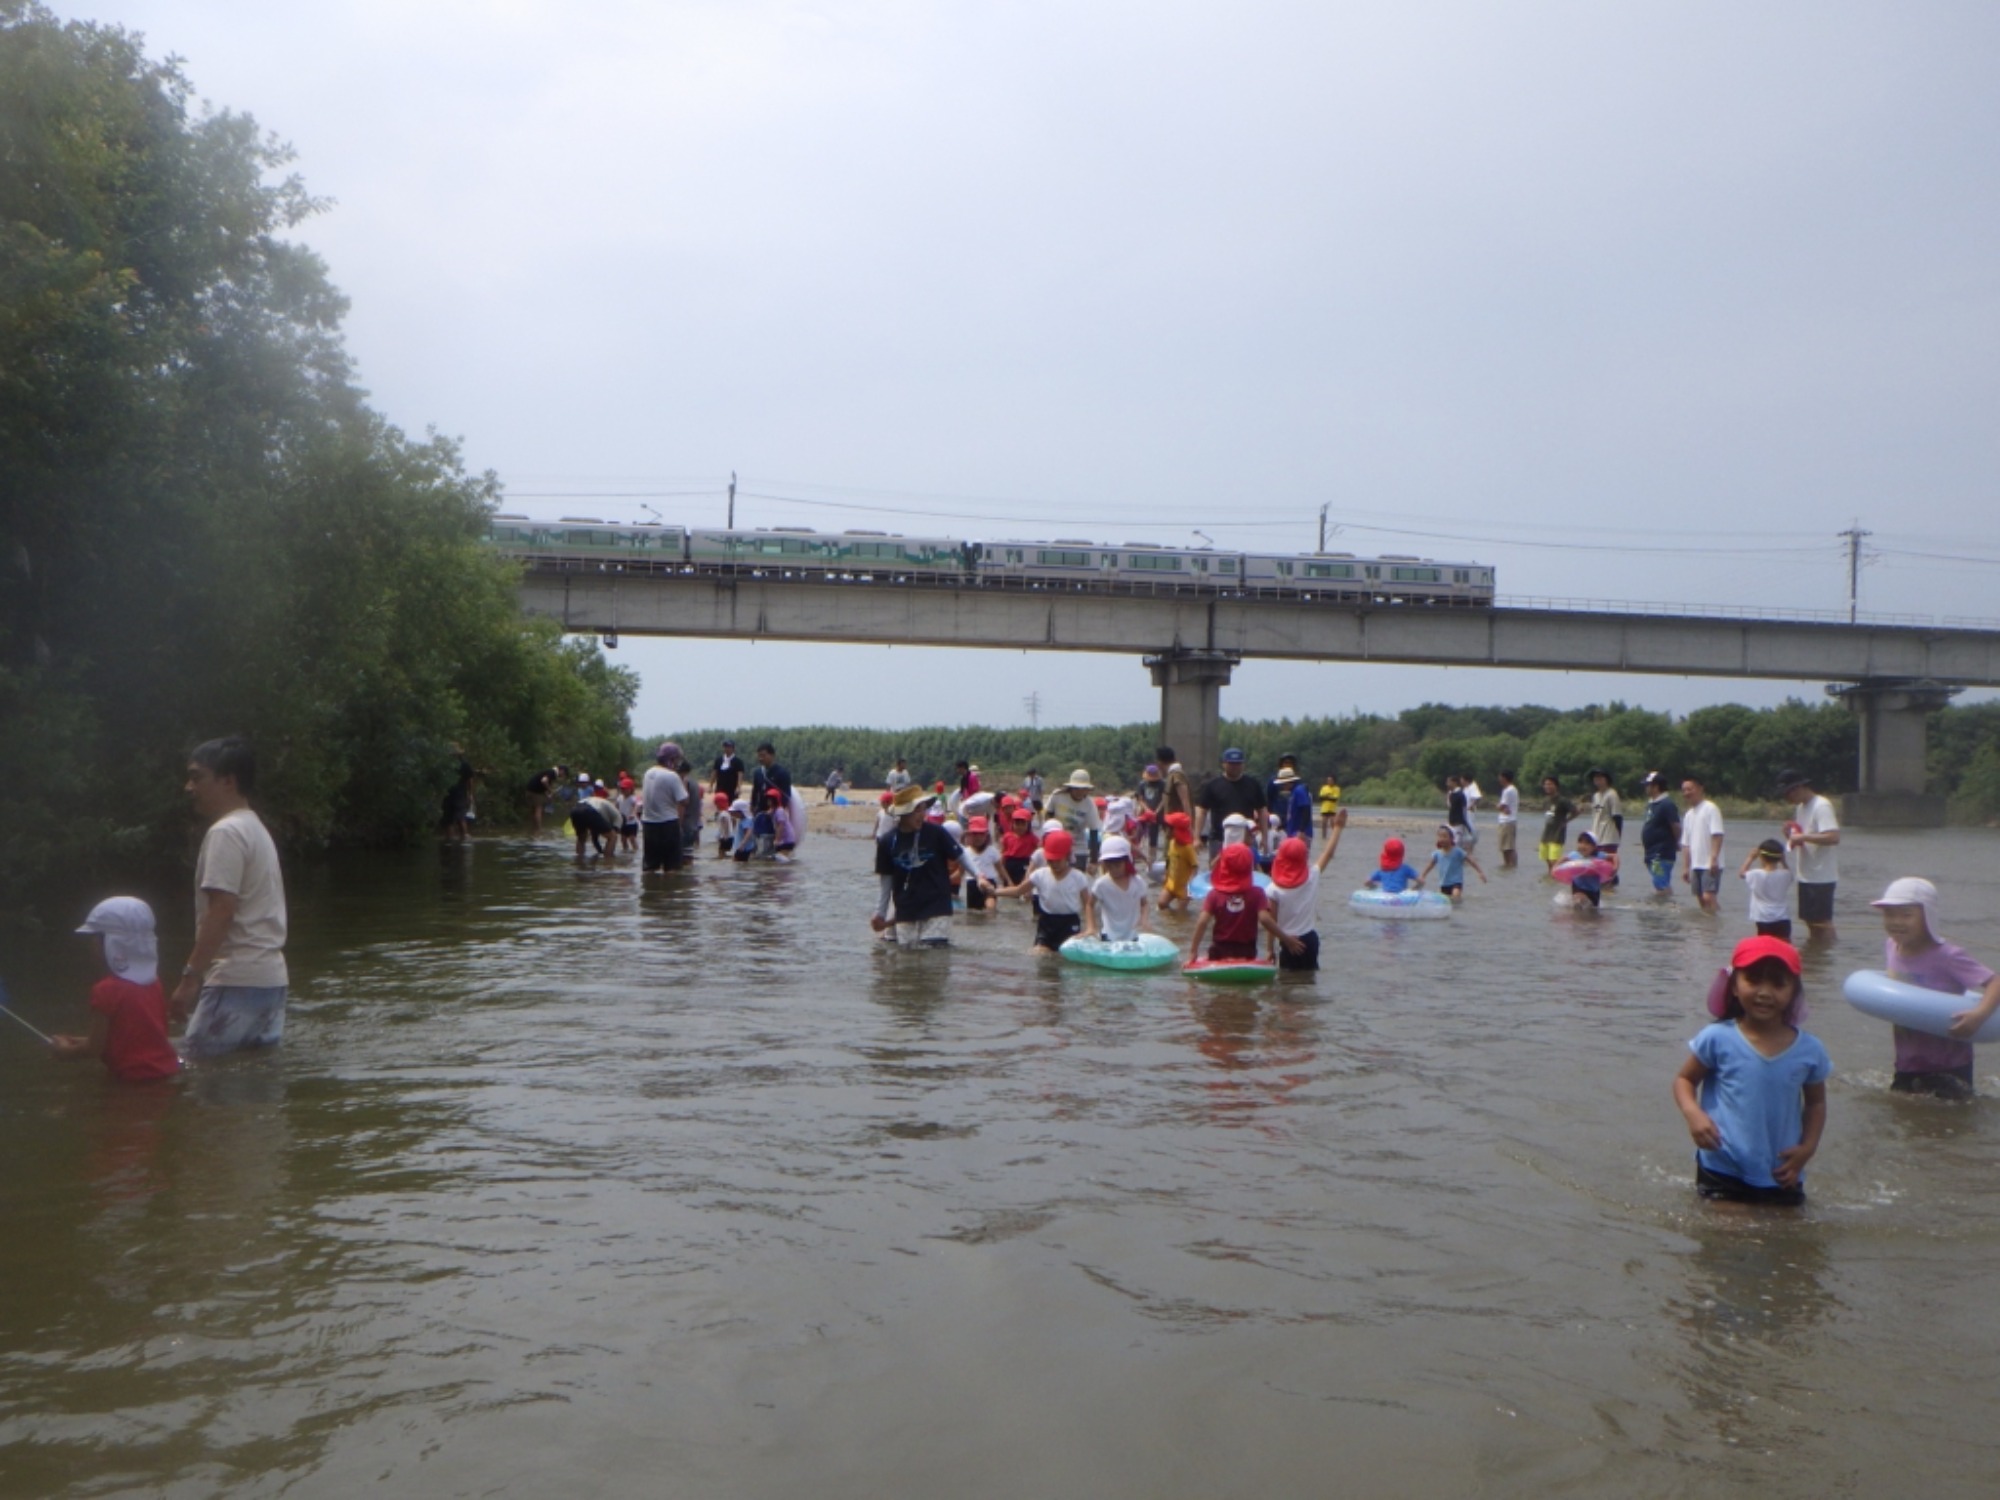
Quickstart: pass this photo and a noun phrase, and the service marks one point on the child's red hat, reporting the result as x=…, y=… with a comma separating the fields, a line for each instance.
x=976, y=825
x=1392, y=854
x=1058, y=845
x=1756, y=949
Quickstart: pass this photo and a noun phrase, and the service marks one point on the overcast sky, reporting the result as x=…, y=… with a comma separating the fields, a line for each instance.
x=1560, y=287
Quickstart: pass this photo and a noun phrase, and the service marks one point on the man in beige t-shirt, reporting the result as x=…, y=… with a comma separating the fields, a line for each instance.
x=235, y=979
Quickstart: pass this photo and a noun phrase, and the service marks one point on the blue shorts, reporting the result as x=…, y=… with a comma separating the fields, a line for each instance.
x=1662, y=871
x=234, y=1017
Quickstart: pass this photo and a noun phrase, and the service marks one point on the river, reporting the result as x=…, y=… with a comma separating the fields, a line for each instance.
x=565, y=1185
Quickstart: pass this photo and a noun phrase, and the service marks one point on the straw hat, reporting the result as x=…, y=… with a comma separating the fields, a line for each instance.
x=910, y=798
x=1079, y=780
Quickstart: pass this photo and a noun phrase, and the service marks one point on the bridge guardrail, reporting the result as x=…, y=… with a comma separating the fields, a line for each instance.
x=891, y=578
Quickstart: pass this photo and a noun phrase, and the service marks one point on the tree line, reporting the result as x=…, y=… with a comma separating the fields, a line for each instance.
x=204, y=528
x=1401, y=760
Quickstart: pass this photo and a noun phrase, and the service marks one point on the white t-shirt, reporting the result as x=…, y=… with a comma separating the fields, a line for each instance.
x=237, y=856
x=661, y=795
x=1604, y=810
x=983, y=863
x=1819, y=864
x=1510, y=804
x=1296, y=910
x=1700, y=827
x=1117, y=910
x=1060, y=898
x=1770, y=893
x=628, y=807
x=1077, y=814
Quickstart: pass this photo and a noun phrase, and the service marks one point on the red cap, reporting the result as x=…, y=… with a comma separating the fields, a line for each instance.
x=975, y=825
x=1288, y=870
x=1057, y=845
x=774, y=795
x=1232, y=869
x=1392, y=854
x=1010, y=800
x=1755, y=949
x=722, y=799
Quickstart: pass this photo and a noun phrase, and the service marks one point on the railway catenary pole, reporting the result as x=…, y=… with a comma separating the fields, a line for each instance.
x=1854, y=534
x=732, y=500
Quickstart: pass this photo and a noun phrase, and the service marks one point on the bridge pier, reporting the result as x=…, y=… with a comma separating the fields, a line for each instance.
x=1191, y=684
x=1894, y=773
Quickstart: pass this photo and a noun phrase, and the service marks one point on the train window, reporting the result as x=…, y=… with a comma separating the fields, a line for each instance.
x=1226, y=565
x=1153, y=562
x=1013, y=554
x=1414, y=575
x=1284, y=570
x=1053, y=559
x=1329, y=570
x=1458, y=575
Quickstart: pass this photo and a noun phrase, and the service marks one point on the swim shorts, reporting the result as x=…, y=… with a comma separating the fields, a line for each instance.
x=932, y=932
x=1054, y=929
x=1816, y=902
x=236, y=1017
x=1721, y=1187
x=1308, y=960
x=1662, y=871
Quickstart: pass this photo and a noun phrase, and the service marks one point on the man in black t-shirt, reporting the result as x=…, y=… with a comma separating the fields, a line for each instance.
x=1231, y=792
x=727, y=772
x=913, y=862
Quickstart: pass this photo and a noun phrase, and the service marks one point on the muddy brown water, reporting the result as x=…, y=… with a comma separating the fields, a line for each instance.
x=569, y=1184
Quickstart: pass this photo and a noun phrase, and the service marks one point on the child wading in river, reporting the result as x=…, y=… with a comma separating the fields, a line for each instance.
x=129, y=1023
x=1236, y=910
x=1449, y=859
x=1927, y=1064
x=1294, y=896
x=1769, y=881
x=1393, y=875
x=1181, y=860
x=1061, y=892
x=1117, y=908
x=1753, y=1092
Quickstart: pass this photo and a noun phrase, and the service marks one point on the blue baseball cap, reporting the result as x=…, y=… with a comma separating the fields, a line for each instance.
x=1232, y=757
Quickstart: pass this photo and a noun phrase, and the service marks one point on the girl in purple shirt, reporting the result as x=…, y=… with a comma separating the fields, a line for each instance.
x=1914, y=953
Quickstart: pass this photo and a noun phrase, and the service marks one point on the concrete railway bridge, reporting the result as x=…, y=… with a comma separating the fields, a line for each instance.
x=1892, y=672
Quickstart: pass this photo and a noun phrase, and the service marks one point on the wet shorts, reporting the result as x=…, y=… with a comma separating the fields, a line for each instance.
x=1778, y=929
x=1307, y=960
x=1816, y=902
x=1721, y=1187
x=1553, y=853
x=1662, y=871
x=234, y=1017
x=931, y=932
x=1707, y=882
x=1054, y=929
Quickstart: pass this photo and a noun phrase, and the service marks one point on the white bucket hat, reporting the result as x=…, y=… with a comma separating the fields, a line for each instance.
x=1115, y=847
x=1913, y=890
x=1080, y=779
x=131, y=945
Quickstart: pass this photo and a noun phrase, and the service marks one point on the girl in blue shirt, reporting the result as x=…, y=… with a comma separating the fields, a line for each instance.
x=1753, y=1090
x=1449, y=859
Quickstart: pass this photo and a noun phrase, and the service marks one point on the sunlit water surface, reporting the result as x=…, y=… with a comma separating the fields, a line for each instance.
x=566, y=1184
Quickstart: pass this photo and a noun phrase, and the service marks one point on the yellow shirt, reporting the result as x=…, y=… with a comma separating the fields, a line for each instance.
x=1329, y=798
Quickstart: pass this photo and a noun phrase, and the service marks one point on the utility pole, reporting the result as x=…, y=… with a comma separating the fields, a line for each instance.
x=1322, y=528
x=732, y=500
x=1854, y=534
x=1033, y=704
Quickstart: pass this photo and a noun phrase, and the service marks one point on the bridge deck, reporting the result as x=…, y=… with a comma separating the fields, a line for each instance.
x=1139, y=623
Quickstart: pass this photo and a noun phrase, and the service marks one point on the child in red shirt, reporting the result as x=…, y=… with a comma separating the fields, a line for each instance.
x=129, y=1028
x=1234, y=908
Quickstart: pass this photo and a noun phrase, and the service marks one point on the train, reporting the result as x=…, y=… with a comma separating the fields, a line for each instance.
x=585, y=543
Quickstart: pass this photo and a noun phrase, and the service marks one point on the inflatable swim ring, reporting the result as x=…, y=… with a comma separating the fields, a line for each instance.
x=1230, y=970
x=1146, y=951
x=1199, y=887
x=1569, y=869
x=1874, y=993
x=1403, y=906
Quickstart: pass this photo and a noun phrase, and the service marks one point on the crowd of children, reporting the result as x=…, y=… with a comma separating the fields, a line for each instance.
x=1752, y=1089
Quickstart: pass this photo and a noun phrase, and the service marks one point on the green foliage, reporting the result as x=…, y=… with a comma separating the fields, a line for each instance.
x=1977, y=799
x=204, y=529
x=1404, y=788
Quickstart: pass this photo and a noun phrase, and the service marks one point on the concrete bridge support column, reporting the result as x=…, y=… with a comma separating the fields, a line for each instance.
x=1893, y=769
x=1191, y=684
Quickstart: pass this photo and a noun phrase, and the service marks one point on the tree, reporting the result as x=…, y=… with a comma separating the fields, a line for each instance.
x=203, y=526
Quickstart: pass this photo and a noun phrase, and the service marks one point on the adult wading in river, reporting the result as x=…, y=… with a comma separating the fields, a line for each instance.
x=235, y=978
x=663, y=798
